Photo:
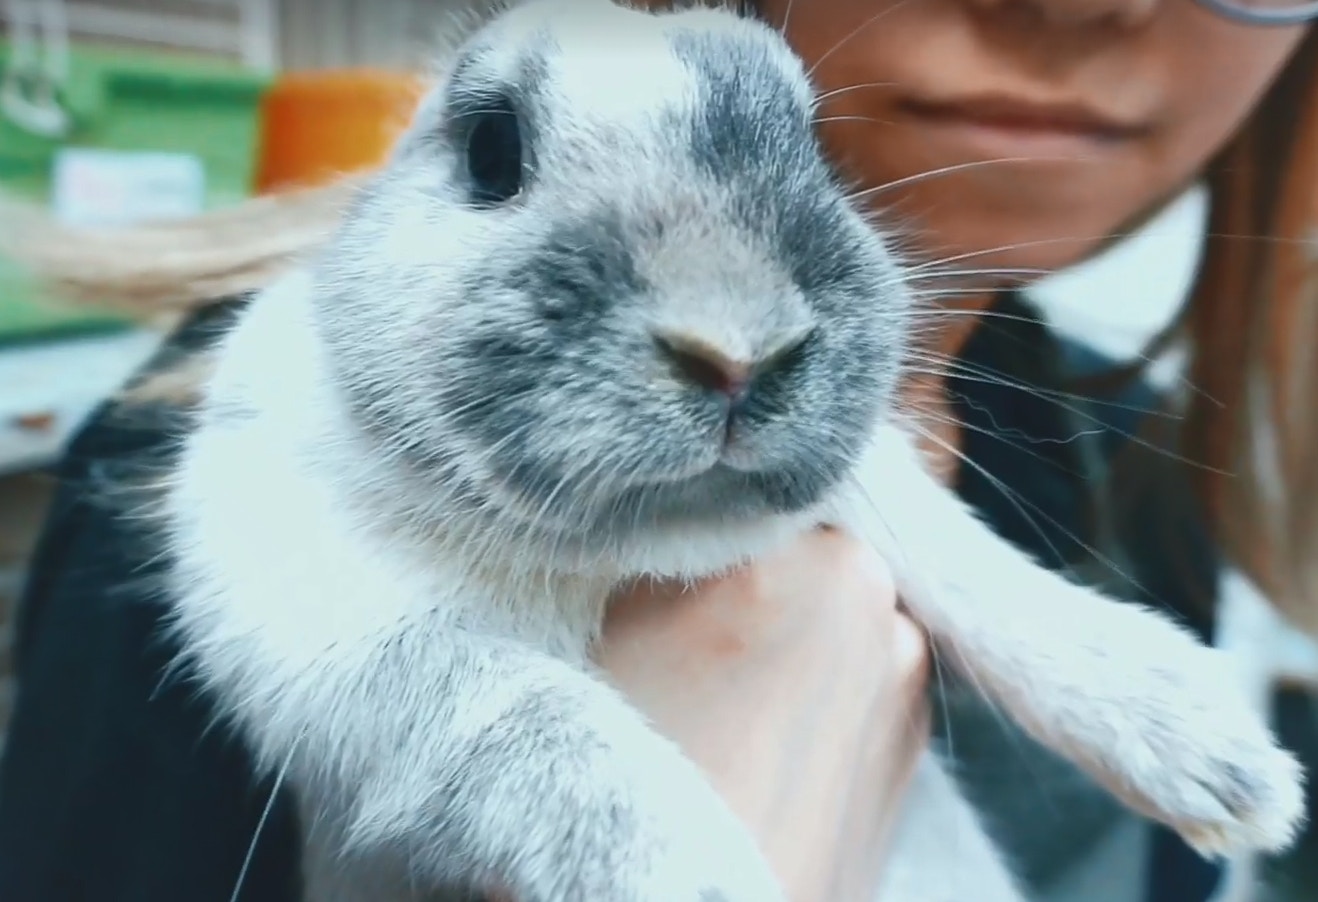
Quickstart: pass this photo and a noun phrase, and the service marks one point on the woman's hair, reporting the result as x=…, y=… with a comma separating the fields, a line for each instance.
x=1249, y=437
x=170, y=267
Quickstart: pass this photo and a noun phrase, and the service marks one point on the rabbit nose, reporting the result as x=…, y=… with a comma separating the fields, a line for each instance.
x=705, y=366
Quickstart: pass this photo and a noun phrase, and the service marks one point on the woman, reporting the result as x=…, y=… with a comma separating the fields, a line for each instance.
x=1052, y=127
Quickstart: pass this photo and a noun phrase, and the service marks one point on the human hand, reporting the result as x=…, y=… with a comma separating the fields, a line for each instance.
x=798, y=687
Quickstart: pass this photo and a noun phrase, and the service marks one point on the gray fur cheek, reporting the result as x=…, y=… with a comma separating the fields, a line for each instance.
x=565, y=411
x=565, y=428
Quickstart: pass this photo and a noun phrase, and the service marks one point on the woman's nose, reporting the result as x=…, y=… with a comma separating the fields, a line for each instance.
x=1075, y=13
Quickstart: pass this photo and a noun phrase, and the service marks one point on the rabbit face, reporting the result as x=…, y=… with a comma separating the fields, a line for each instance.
x=606, y=308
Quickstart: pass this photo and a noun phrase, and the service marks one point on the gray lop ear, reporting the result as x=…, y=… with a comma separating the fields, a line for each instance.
x=457, y=27
x=460, y=23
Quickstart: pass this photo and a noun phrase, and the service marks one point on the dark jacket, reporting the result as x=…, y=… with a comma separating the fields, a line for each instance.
x=115, y=788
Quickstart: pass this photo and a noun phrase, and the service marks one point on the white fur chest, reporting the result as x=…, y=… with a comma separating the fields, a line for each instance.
x=275, y=510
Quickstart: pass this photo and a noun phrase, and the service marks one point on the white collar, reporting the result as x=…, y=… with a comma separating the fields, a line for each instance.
x=1120, y=299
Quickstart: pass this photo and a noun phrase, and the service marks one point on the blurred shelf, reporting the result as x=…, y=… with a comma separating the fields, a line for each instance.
x=48, y=388
x=245, y=30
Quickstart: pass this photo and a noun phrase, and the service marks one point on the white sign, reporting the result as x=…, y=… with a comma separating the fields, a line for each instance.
x=114, y=187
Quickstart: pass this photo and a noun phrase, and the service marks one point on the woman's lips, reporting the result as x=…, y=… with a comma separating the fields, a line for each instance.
x=1012, y=127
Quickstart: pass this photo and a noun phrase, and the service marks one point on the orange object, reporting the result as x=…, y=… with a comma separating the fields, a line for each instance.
x=317, y=126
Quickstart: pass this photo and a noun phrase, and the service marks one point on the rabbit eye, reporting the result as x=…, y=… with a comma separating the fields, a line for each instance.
x=495, y=158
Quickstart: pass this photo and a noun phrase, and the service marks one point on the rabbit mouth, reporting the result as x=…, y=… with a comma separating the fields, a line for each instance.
x=721, y=494
x=727, y=491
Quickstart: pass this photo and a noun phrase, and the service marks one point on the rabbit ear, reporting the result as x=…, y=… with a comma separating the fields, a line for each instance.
x=459, y=24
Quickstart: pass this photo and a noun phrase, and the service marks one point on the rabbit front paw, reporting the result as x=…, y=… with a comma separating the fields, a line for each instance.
x=1190, y=752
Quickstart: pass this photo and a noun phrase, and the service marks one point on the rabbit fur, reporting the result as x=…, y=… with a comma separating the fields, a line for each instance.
x=427, y=456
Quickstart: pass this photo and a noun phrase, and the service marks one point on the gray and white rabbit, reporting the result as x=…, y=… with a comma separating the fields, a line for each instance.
x=608, y=312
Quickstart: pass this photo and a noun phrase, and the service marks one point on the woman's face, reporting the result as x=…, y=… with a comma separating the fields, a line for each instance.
x=1054, y=122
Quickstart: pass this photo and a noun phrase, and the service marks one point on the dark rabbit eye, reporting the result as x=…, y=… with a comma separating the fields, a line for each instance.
x=495, y=161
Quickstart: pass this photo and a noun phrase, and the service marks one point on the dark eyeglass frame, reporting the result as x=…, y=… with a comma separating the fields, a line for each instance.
x=1296, y=15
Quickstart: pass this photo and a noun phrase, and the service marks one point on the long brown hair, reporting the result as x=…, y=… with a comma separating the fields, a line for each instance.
x=1250, y=436
x=1251, y=430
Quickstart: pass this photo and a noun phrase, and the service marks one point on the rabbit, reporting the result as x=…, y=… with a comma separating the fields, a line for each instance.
x=571, y=334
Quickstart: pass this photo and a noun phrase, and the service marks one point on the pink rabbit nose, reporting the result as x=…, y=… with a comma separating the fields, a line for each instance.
x=705, y=366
